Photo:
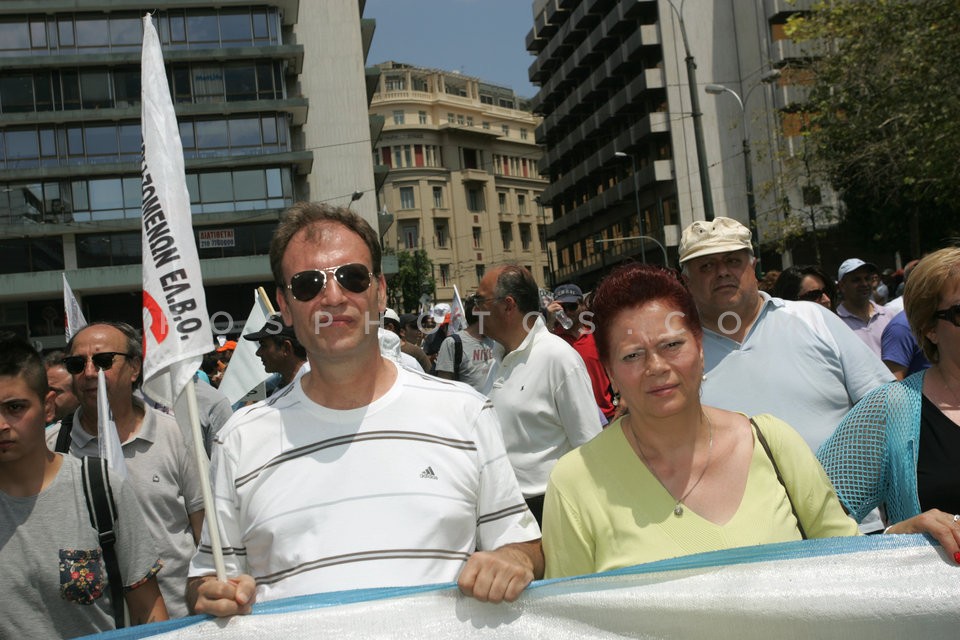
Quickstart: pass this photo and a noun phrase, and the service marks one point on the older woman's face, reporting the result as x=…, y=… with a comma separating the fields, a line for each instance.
x=944, y=333
x=655, y=361
x=814, y=289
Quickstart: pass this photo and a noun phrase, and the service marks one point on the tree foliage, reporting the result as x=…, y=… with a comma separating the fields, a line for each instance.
x=884, y=115
x=414, y=278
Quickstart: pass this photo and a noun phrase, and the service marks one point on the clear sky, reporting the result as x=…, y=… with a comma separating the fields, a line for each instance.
x=481, y=38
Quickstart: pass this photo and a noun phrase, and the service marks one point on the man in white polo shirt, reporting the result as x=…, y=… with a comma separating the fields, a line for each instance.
x=539, y=384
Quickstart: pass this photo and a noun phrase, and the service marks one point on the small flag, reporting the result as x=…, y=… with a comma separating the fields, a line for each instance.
x=245, y=370
x=74, y=320
x=176, y=327
x=108, y=438
x=458, y=316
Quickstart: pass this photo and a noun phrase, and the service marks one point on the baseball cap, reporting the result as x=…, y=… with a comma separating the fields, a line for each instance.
x=720, y=235
x=273, y=328
x=407, y=319
x=568, y=293
x=229, y=345
x=852, y=265
x=390, y=314
x=439, y=312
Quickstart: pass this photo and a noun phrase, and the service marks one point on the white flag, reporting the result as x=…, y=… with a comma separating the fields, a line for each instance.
x=108, y=438
x=74, y=320
x=176, y=327
x=245, y=370
x=458, y=316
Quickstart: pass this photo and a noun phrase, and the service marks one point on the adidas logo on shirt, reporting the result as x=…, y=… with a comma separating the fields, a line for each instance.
x=428, y=474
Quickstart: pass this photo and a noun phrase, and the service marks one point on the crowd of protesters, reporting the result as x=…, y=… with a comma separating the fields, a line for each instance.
x=666, y=413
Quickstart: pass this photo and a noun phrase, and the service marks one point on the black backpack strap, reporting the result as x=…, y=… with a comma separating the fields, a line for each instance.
x=103, y=517
x=63, y=437
x=457, y=355
x=766, y=447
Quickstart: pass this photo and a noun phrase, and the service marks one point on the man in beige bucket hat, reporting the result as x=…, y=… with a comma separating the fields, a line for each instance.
x=796, y=360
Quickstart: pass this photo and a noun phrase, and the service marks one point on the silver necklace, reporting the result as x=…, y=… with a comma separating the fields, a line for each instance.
x=678, y=508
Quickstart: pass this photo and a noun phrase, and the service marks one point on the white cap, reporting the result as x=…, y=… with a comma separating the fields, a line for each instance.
x=852, y=265
x=390, y=314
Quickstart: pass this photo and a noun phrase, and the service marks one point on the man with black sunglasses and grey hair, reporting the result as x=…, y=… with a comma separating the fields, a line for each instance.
x=159, y=454
x=362, y=473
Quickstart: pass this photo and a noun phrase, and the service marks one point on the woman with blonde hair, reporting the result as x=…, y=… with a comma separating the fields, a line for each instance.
x=900, y=445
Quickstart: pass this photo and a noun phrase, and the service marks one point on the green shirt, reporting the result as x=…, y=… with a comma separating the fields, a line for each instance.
x=604, y=509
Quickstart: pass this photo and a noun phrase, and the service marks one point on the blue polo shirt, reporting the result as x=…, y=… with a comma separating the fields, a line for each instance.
x=798, y=362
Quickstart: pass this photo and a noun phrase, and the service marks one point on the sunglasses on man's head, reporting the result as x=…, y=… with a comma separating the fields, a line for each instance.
x=950, y=314
x=102, y=360
x=813, y=295
x=306, y=285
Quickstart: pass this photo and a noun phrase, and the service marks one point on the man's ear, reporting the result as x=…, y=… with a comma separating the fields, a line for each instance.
x=49, y=406
x=283, y=308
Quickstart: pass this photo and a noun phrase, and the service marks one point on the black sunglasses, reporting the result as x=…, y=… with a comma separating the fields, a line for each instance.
x=812, y=296
x=950, y=314
x=102, y=360
x=306, y=285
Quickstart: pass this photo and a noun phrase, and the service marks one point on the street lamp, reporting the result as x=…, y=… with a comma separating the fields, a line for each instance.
x=356, y=195
x=636, y=198
x=717, y=89
x=543, y=240
x=697, y=116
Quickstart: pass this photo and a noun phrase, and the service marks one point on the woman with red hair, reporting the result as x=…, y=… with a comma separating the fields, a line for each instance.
x=674, y=477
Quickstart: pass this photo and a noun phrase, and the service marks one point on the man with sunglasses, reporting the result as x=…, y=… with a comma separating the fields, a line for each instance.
x=361, y=473
x=569, y=299
x=158, y=454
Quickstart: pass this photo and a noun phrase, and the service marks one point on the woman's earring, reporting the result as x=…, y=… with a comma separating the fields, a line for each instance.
x=704, y=377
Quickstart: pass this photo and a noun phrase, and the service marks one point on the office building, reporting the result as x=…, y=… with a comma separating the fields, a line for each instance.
x=462, y=181
x=260, y=108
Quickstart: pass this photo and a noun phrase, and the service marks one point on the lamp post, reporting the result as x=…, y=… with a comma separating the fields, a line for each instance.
x=697, y=116
x=543, y=240
x=717, y=89
x=636, y=199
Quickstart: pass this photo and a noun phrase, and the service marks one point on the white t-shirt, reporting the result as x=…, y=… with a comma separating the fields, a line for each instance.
x=476, y=360
x=399, y=492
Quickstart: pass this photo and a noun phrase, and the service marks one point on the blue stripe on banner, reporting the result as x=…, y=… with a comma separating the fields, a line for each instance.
x=742, y=555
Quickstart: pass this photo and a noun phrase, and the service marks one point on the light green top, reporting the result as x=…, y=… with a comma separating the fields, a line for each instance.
x=605, y=510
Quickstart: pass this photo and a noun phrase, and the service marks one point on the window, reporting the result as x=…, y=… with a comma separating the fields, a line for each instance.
x=525, y=238
x=521, y=204
x=423, y=117
x=451, y=118
x=469, y=121
x=485, y=125
x=506, y=129
x=480, y=270
x=460, y=119
x=477, y=237
x=542, y=232
x=398, y=117
x=394, y=83
x=485, y=99
x=502, y=201
x=438, y=197
x=409, y=232
x=475, y=199
x=442, y=233
x=506, y=235
x=444, y=275
x=406, y=198
x=523, y=134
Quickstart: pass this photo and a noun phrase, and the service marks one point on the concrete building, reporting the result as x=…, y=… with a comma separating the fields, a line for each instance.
x=463, y=181
x=618, y=127
x=268, y=116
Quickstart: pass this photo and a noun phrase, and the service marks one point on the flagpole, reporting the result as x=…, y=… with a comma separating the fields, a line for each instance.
x=209, y=507
x=266, y=299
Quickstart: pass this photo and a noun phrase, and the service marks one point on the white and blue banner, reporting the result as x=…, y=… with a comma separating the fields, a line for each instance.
x=870, y=587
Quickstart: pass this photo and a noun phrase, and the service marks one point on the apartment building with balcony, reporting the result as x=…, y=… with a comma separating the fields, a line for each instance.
x=618, y=129
x=462, y=180
x=250, y=109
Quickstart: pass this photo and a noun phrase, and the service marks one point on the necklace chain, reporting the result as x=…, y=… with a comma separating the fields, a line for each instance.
x=678, y=508
x=947, y=385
